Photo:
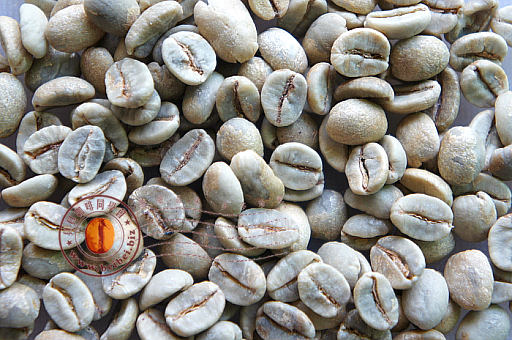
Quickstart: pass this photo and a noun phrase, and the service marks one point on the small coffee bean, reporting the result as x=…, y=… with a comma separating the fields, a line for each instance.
x=326, y=215
x=413, y=98
x=424, y=182
x=300, y=220
x=470, y=289
x=33, y=23
x=297, y=165
x=277, y=320
x=188, y=158
x=365, y=230
x=367, y=169
x=29, y=191
x=256, y=70
x=161, y=128
x=68, y=302
x=237, y=135
x=238, y=97
x=18, y=58
x=473, y=216
x=124, y=321
x=227, y=23
x=58, y=334
x=482, y=82
x=397, y=158
x=109, y=183
x=321, y=35
x=222, y=190
x=115, y=18
x=501, y=163
x=400, y=23
x=496, y=189
x=20, y=306
x=484, y=125
x=359, y=7
x=282, y=51
x=498, y=242
x=475, y=46
x=503, y=103
x=475, y=17
x=94, y=64
x=169, y=87
x=443, y=15
x=102, y=302
x=62, y=91
x=376, y=301
x=205, y=236
x=364, y=87
x=501, y=292
x=320, y=79
x=196, y=309
x=32, y=122
x=491, y=323
x=268, y=10
x=227, y=234
x=189, y=57
x=431, y=334
x=140, y=115
x=360, y=52
x=378, y=204
x=222, y=330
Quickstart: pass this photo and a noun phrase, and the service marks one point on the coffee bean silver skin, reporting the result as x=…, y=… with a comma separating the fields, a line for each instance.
x=129, y=83
x=29, y=191
x=367, y=169
x=69, y=302
x=378, y=204
x=283, y=97
x=470, y=279
x=196, y=309
x=11, y=247
x=399, y=260
x=360, y=52
x=376, y=301
x=297, y=165
x=238, y=97
x=188, y=158
x=475, y=46
x=473, y=216
x=267, y=228
x=199, y=101
x=491, y=323
x=498, y=242
x=278, y=320
x=115, y=18
x=482, y=82
x=461, y=166
x=163, y=285
x=20, y=306
x=12, y=104
x=81, y=154
x=227, y=23
x=323, y=289
x=62, y=91
x=282, y=51
x=413, y=98
x=33, y=23
x=321, y=35
x=109, y=183
x=12, y=168
x=18, y=58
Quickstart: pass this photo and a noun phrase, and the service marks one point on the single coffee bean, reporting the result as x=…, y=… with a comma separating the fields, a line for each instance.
x=29, y=191
x=11, y=248
x=498, y=242
x=320, y=79
x=238, y=97
x=124, y=321
x=18, y=58
x=376, y=301
x=297, y=165
x=484, y=125
x=283, y=97
x=461, y=166
x=282, y=51
x=503, y=103
x=129, y=83
x=496, y=189
x=343, y=258
x=321, y=35
x=500, y=23
x=53, y=65
x=163, y=285
x=475, y=17
x=356, y=121
x=33, y=23
x=473, y=216
x=282, y=278
x=158, y=209
x=327, y=215
x=260, y=186
x=353, y=327
x=189, y=57
x=323, y=289
x=397, y=158
x=470, y=289
x=62, y=91
x=475, y=46
x=151, y=324
x=12, y=168
x=237, y=135
x=32, y=122
x=108, y=183
x=278, y=320
x=362, y=231
x=501, y=163
x=68, y=302
x=399, y=260
x=115, y=18
x=102, y=302
x=492, y=322
x=70, y=30
x=61, y=4
x=199, y=101
x=188, y=158
x=222, y=190
x=14, y=218
x=12, y=104
x=360, y=52
x=424, y=182
x=367, y=169
x=300, y=15
x=400, y=23
x=335, y=154
x=364, y=87
x=196, y=309
x=205, y=236
x=45, y=5
x=304, y=130
x=378, y=204
x=20, y=306
x=354, y=20
x=161, y=128
x=227, y=23
x=268, y=10
x=94, y=64
x=482, y=82
x=413, y=98
x=167, y=85
x=501, y=292
x=222, y=330
x=256, y=70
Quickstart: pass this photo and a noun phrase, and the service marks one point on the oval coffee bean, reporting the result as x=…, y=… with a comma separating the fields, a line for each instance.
x=189, y=57
x=277, y=320
x=501, y=23
x=367, y=169
x=109, y=183
x=300, y=15
x=491, y=323
x=503, y=117
x=163, y=285
x=267, y=228
x=227, y=234
x=304, y=130
x=444, y=112
x=282, y=51
x=482, y=82
x=400, y=23
x=29, y=191
x=241, y=279
x=151, y=324
x=297, y=165
x=321, y=35
x=378, y=204
x=422, y=217
x=32, y=122
x=268, y=10
x=323, y=289
x=12, y=168
x=475, y=46
x=283, y=97
x=238, y=97
x=188, y=158
x=81, y=154
x=376, y=301
x=115, y=18
x=167, y=85
x=399, y=260
x=364, y=87
x=320, y=79
x=20, y=306
x=196, y=309
x=335, y=154
x=68, y=302
x=12, y=103
x=236, y=135
x=11, y=248
x=140, y=115
x=396, y=156
x=473, y=216
x=326, y=215
x=256, y=70
x=222, y=190
x=413, y=98
x=360, y=52
x=33, y=23
x=496, y=189
x=470, y=289
x=42, y=263
x=161, y=128
x=129, y=83
x=102, y=302
x=499, y=240
x=424, y=182
x=343, y=258
x=62, y=91
x=94, y=63
x=18, y=58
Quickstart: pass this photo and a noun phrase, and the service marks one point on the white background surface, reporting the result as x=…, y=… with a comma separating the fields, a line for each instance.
x=332, y=178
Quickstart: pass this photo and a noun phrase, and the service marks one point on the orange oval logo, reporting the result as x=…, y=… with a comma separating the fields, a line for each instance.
x=99, y=235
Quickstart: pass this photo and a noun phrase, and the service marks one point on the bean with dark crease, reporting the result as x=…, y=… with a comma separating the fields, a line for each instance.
x=482, y=82
x=367, y=169
x=278, y=320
